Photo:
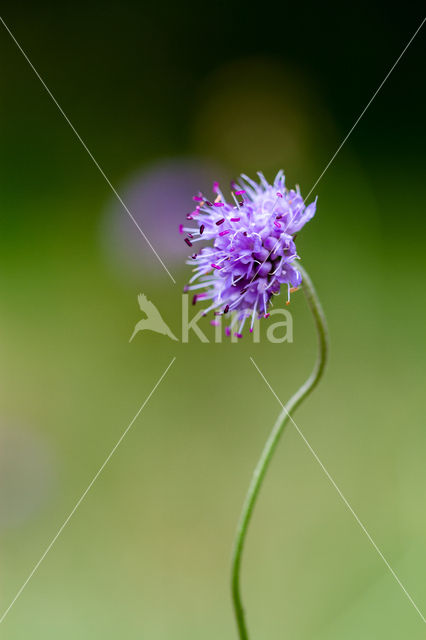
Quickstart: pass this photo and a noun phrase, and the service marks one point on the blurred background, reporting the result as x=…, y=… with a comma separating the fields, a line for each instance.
x=169, y=98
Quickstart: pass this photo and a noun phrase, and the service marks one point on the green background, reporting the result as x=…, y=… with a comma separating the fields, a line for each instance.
x=147, y=553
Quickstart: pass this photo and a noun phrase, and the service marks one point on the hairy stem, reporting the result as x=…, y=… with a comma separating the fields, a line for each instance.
x=271, y=444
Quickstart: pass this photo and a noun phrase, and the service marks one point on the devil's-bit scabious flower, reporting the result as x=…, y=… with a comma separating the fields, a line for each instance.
x=252, y=251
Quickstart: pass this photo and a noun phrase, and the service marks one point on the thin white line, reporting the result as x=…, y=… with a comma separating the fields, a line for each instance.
x=113, y=189
x=342, y=496
x=305, y=198
x=368, y=104
x=84, y=494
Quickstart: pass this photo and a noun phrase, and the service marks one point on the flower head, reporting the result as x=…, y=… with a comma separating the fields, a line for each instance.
x=252, y=251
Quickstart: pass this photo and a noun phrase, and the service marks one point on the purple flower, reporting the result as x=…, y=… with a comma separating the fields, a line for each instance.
x=252, y=251
x=146, y=193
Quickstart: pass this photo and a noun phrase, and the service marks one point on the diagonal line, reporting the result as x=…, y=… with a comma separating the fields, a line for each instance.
x=96, y=163
x=350, y=131
x=367, y=105
x=342, y=496
x=84, y=494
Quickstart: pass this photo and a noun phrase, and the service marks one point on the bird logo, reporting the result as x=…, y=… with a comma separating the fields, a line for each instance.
x=153, y=321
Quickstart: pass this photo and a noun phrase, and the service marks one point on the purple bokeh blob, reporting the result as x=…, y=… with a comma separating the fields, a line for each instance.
x=158, y=197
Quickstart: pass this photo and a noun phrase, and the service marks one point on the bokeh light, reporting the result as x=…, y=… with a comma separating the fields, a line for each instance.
x=158, y=196
x=27, y=473
x=261, y=114
x=168, y=103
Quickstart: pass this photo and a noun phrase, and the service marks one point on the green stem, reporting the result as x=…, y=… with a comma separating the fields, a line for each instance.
x=271, y=444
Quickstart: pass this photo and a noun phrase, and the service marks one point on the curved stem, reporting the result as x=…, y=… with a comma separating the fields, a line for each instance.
x=271, y=444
